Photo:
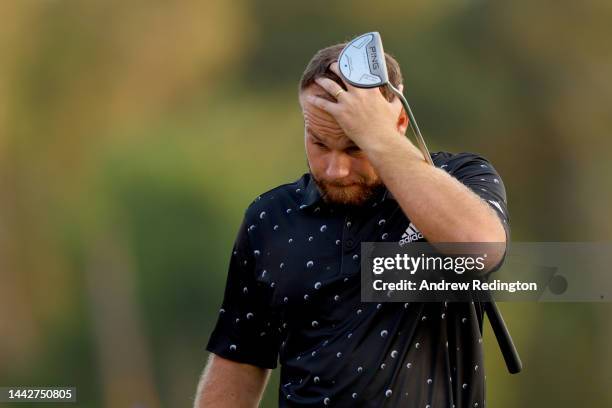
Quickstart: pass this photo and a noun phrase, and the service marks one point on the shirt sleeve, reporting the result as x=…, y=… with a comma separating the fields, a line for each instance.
x=247, y=330
x=477, y=174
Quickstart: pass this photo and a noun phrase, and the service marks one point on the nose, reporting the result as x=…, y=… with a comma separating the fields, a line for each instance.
x=339, y=166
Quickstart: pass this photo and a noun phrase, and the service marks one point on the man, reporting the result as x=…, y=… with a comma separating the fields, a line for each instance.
x=293, y=288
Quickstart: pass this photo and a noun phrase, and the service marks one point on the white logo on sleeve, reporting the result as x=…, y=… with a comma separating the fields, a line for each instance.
x=411, y=234
x=496, y=204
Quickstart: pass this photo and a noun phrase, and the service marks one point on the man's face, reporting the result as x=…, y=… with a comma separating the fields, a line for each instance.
x=341, y=170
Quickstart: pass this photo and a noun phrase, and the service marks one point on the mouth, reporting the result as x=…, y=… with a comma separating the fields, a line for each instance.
x=343, y=185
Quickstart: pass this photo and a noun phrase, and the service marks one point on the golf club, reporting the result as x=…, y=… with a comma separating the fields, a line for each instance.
x=362, y=64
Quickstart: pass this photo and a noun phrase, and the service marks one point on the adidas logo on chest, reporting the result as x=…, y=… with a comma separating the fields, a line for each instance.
x=411, y=234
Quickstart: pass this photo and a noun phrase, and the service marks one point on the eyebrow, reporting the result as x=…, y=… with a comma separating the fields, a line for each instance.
x=313, y=134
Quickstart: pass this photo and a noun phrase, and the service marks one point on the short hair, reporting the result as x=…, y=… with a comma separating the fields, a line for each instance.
x=319, y=67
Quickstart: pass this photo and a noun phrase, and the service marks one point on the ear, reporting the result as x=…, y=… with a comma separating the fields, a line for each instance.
x=402, y=120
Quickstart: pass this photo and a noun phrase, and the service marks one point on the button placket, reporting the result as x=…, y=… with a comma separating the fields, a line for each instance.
x=349, y=243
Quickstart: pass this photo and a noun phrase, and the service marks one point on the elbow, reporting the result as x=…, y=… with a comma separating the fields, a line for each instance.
x=490, y=240
x=495, y=256
x=494, y=235
x=491, y=231
x=494, y=245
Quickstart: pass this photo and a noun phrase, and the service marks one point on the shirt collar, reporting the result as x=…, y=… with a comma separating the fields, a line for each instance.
x=311, y=195
x=388, y=196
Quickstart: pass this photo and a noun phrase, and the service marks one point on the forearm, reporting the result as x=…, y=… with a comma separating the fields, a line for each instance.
x=441, y=207
x=226, y=384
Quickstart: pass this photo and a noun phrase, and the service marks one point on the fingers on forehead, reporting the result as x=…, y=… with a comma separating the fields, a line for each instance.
x=333, y=74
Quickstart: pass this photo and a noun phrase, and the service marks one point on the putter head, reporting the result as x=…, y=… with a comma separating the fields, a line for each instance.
x=362, y=62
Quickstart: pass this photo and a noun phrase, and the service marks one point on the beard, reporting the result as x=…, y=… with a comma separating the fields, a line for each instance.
x=354, y=194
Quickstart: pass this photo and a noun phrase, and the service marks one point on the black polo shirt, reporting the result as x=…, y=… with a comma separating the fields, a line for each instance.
x=293, y=293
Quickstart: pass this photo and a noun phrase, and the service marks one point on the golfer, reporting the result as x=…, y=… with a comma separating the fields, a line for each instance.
x=293, y=287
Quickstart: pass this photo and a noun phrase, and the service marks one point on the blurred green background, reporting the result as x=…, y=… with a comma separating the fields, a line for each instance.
x=133, y=134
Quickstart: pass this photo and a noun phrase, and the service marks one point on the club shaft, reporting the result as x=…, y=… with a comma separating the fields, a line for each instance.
x=413, y=125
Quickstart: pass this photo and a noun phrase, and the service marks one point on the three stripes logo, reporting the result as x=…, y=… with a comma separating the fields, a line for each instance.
x=411, y=234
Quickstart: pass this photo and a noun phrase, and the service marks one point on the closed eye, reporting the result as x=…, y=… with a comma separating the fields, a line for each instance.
x=320, y=145
x=316, y=141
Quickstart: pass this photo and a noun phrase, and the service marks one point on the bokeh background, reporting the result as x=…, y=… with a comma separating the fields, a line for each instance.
x=133, y=134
